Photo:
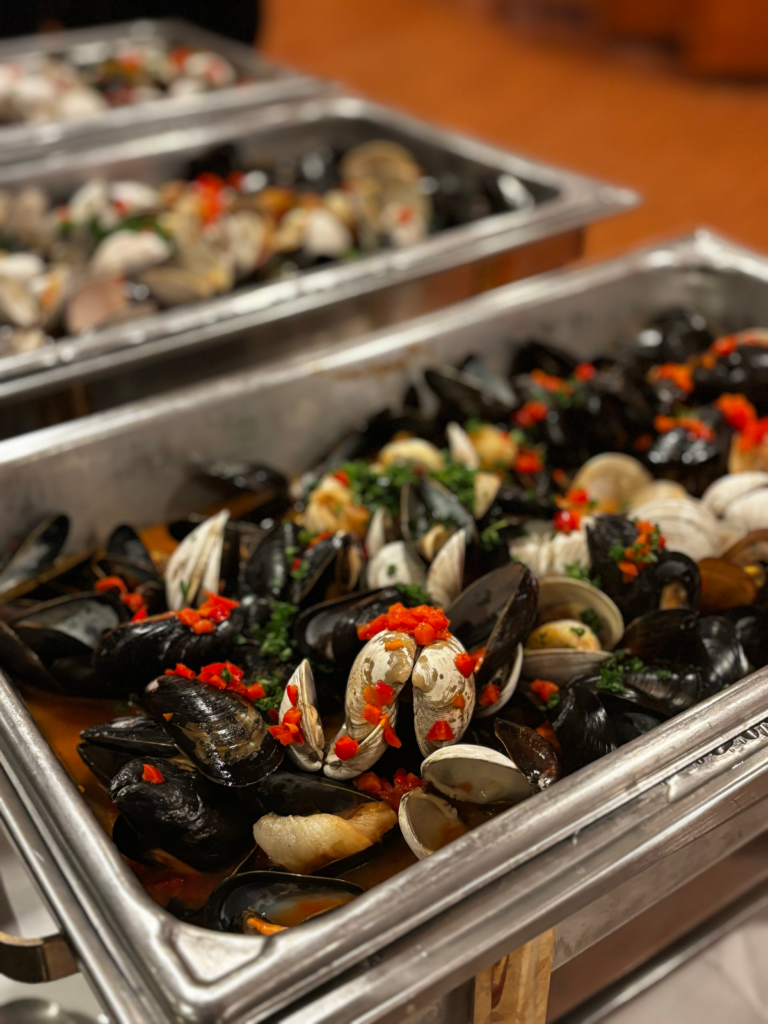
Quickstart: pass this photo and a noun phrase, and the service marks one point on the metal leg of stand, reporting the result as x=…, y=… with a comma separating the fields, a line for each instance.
x=516, y=989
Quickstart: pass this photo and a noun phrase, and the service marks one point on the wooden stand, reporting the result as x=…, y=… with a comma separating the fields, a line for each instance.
x=516, y=989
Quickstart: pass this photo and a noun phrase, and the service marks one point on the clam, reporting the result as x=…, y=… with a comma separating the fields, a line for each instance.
x=428, y=822
x=307, y=844
x=223, y=734
x=460, y=446
x=688, y=525
x=719, y=496
x=133, y=196
x=21, y=266
x=612, y=480
x=564, y=644
x=657, y=490
x=749, y=511
x=443, y=698
x=194, y=567
x=325, y=235
x=387, y=658
x=128, y=252
x=415, y=451
x=95, y=303
x=546, y=555
x=476, y=774
x=446, y=573
x=18, y=305
x=175, y=286
x=266, y=902
x=394, y=563
x=308, y=755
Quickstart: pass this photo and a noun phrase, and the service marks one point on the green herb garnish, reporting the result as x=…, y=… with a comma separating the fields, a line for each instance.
x=275, y=638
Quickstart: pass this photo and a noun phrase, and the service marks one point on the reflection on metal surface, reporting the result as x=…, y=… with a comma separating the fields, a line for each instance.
x=725, y=757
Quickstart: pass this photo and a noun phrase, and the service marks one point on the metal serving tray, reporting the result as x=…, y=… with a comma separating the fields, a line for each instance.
x=268, y=82
x=586, y=856
x=338, y=300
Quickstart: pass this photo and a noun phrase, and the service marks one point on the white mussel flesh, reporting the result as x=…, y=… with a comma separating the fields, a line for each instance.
x=195, y=565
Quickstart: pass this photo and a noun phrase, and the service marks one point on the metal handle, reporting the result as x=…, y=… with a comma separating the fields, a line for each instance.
x=35, y=960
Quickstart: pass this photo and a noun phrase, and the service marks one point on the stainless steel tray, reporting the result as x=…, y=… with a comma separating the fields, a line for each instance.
x=269, y=82
x=383, y=288
x=587, y=855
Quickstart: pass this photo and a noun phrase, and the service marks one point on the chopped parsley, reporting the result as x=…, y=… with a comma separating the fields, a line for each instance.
x=491, y=536
x=590, y=618
x=458, y=479
x=274, y=638
x=613, y=671
x=414, y=594
x=578, y=631
x=378, y=489
x=577, y=572
x=273, y=698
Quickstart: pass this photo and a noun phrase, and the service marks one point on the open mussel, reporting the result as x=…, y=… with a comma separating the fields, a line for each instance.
x=751, y=626
x=328, y=631
x=194, y=568
x=136, y=735
x=266, y=902
x=178, y=810
x=582, y=728
x=223, y=734
x=472, y=392
x=492, y=618
x=671, y=580
x=126, y=556
x=533, y=755
x=25, y=562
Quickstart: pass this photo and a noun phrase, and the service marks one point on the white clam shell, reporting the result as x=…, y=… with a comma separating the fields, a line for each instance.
x=485, y=488
x=129, y=252
x=719, y=495
x=21, y=266
x=460, y=446
x=393, y=564
x=375, y=663
x=326, y=235
x=478, y=774
x=612, y=479
x=310, y=755
x=749, y=511
x=428, y=822
x=546, y=555
x=436, y=682
x=368, y=753
x=561, y=590
x=446, y=573
x=688, y=526
x=195, y=565
x=657, y=489
x=507, y=690
x=559, y=666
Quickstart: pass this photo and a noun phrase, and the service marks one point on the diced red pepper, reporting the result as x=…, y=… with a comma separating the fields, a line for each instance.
x=424, y=634
x=458, y=701
x=217, y=608
x=737, y=410
x=584, y=371
x=152, y=774
x=140, y=615
x=566, y=521
x=549, y=382
x=400, y=619
x=490, y=695
x=272, y=715
x=440, y=731
x=465, y=664
x=393, y=645
x=389, y=733
x=345, y=747
x=368, y=782
x=529, y=414
x=546, y=731
x=528, y=463
x=725, y=346
x=342, y=476
x=372, y=713
x=385, y=693
x=544, y=689
x=180, y=670
x=110, y=583
x=293, y=693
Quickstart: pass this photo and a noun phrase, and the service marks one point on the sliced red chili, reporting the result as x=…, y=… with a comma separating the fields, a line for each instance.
x=152, y=774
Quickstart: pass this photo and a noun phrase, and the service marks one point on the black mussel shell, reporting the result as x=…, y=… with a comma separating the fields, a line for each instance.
x=223, y=734
x=474, y=392
x=268, y=572
x=692, y=461
x=673, y=337
x=645, y=593
x=583, y=728
x=514, y=500
x=535, y=758
x=63, y=634
x=751, y=626
x=247, y=476
x=126, y=556
x=186, y=815
x=673, y=686
x=105, y=762
x=496, y=612
x=302, y=794
x=428, y=502
x=25, y=559
x=745, y=370
x=689, y=640
x=136, y=735
x=331, y=567
x=535, y=355
x=276, y=897
x=21, y=663
x=628, y=719
x=137, y=652
x=328, y=631
x=129, y=842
